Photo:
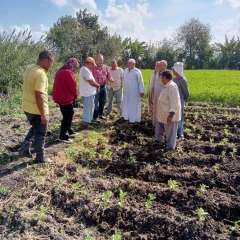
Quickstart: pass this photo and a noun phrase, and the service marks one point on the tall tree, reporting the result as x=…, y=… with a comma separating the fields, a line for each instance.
x=194, y=37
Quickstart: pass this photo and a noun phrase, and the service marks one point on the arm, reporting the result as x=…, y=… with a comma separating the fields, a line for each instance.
x=40, y=103
x=185, y=89
x=93, y=83
x=140, y=84
x=174, y=100
x=150, y=91
x=72, y=84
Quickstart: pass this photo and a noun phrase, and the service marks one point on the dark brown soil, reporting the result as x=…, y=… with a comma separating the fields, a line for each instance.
x=64, y=200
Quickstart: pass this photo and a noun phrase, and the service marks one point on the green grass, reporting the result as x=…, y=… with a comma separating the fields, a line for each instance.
x=216, y=86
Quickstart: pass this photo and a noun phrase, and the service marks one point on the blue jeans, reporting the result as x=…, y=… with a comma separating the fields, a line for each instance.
x=100, y=101
x=118, y=96
x=88, y=106
x=180, y=131
x=37, y=132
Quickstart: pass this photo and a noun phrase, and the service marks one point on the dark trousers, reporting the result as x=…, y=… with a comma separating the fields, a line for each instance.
x=37, y=133
x=99, y=101
x=66, y=124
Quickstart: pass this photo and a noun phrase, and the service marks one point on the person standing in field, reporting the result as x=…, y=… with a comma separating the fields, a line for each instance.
x=155, y=87
x=87, y=90
x=35, y=105
x=180, y=80
x=102, y=76
x=168, y=111
x=115, y=87
x=65, y=94
x=133, y=91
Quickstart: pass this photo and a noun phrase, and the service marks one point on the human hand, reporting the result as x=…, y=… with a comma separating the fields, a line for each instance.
x=169, y=119
x=44, y=119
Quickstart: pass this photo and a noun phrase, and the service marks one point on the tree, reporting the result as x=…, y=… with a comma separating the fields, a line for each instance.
x=194, y=38
x=81, y=36
x=228, y=56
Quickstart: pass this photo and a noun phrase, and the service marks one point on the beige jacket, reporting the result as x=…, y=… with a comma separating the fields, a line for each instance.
x=169, y=101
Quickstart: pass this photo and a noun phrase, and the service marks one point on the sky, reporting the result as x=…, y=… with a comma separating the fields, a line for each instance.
x=146, y=20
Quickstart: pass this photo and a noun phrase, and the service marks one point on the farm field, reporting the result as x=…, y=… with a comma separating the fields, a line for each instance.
x=115, y=182
x=217, y=86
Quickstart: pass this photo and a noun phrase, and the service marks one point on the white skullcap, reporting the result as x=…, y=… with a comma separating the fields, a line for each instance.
x=132, y=60
x=179, y=68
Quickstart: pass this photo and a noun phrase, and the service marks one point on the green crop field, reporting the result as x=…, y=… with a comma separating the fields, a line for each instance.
x=217, y=86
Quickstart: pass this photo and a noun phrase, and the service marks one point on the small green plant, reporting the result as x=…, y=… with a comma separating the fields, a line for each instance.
x=236, y=226
x=76, y=186
x=201, y=214
x=106, y=198
x=132, y=159
x=42, y=212
x=60, y=181
x=234, y=152
x=117, y=236
x=202, y=189
x=4, y=191
x=122, y=198
x=88, y=237
x=224, y=141
x=216, y=167
x=173, y=184
x=211, y=140
x=150, y=198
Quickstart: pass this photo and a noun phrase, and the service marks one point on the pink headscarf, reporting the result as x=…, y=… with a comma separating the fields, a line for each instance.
x=71, y=63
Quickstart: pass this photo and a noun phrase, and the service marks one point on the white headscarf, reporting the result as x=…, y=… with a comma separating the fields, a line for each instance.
x=179, y=68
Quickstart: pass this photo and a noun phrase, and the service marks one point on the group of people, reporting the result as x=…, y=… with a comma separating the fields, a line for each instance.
x=98, y=85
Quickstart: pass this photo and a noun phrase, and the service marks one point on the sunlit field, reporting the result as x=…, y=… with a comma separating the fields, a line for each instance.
x=217, y=86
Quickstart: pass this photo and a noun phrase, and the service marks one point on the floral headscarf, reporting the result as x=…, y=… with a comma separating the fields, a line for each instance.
x=71, y=63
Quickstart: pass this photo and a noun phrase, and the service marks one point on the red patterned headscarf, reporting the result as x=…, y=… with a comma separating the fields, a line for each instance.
x=71, y=63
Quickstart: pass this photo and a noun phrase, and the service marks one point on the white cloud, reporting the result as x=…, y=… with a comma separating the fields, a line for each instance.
x=233, y=3
x=125, y=20
x=60, y=3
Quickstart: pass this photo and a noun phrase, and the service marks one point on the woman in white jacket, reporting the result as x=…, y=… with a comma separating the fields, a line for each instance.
x=168, y=110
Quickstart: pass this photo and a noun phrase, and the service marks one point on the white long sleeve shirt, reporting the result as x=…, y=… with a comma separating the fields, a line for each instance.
x=169, y=101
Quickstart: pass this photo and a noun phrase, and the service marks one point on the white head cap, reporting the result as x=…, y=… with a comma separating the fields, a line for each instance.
x=179, y=68
x=131, y=60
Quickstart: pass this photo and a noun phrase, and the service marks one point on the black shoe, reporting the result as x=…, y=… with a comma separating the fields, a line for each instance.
x=72, y=133
x=65, y=139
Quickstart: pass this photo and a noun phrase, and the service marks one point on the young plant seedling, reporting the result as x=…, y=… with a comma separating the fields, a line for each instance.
x=202, y=214
x=76, y=186
x=117, y=236
x=173, y=184
x=202, y=189
x=88, y=237
x=4, y=191
x=42, y=213
x=216, y=167
x=122, y=197
x=106, y=198
x=236, y=226
x=132, y=159
x=234, y=152
x=151, y=197
x=211, y=140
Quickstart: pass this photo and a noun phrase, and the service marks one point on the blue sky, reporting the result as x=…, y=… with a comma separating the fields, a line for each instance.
x=143, y=19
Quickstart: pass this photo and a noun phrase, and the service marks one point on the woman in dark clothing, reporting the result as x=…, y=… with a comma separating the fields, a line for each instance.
x=65, y=94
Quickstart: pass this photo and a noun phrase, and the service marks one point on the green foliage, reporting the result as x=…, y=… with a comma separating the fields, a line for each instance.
x=151, y=197
x=117, y=236
x=4, y=191
x=210, y=85
x=173, y=184
x=122, y=198
x=17, y=51
x=106, y=198
x=236, y=226
x=88, y=237
x=82, y=36
x=202, y=190
x=201, y=214
x=42, y=212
